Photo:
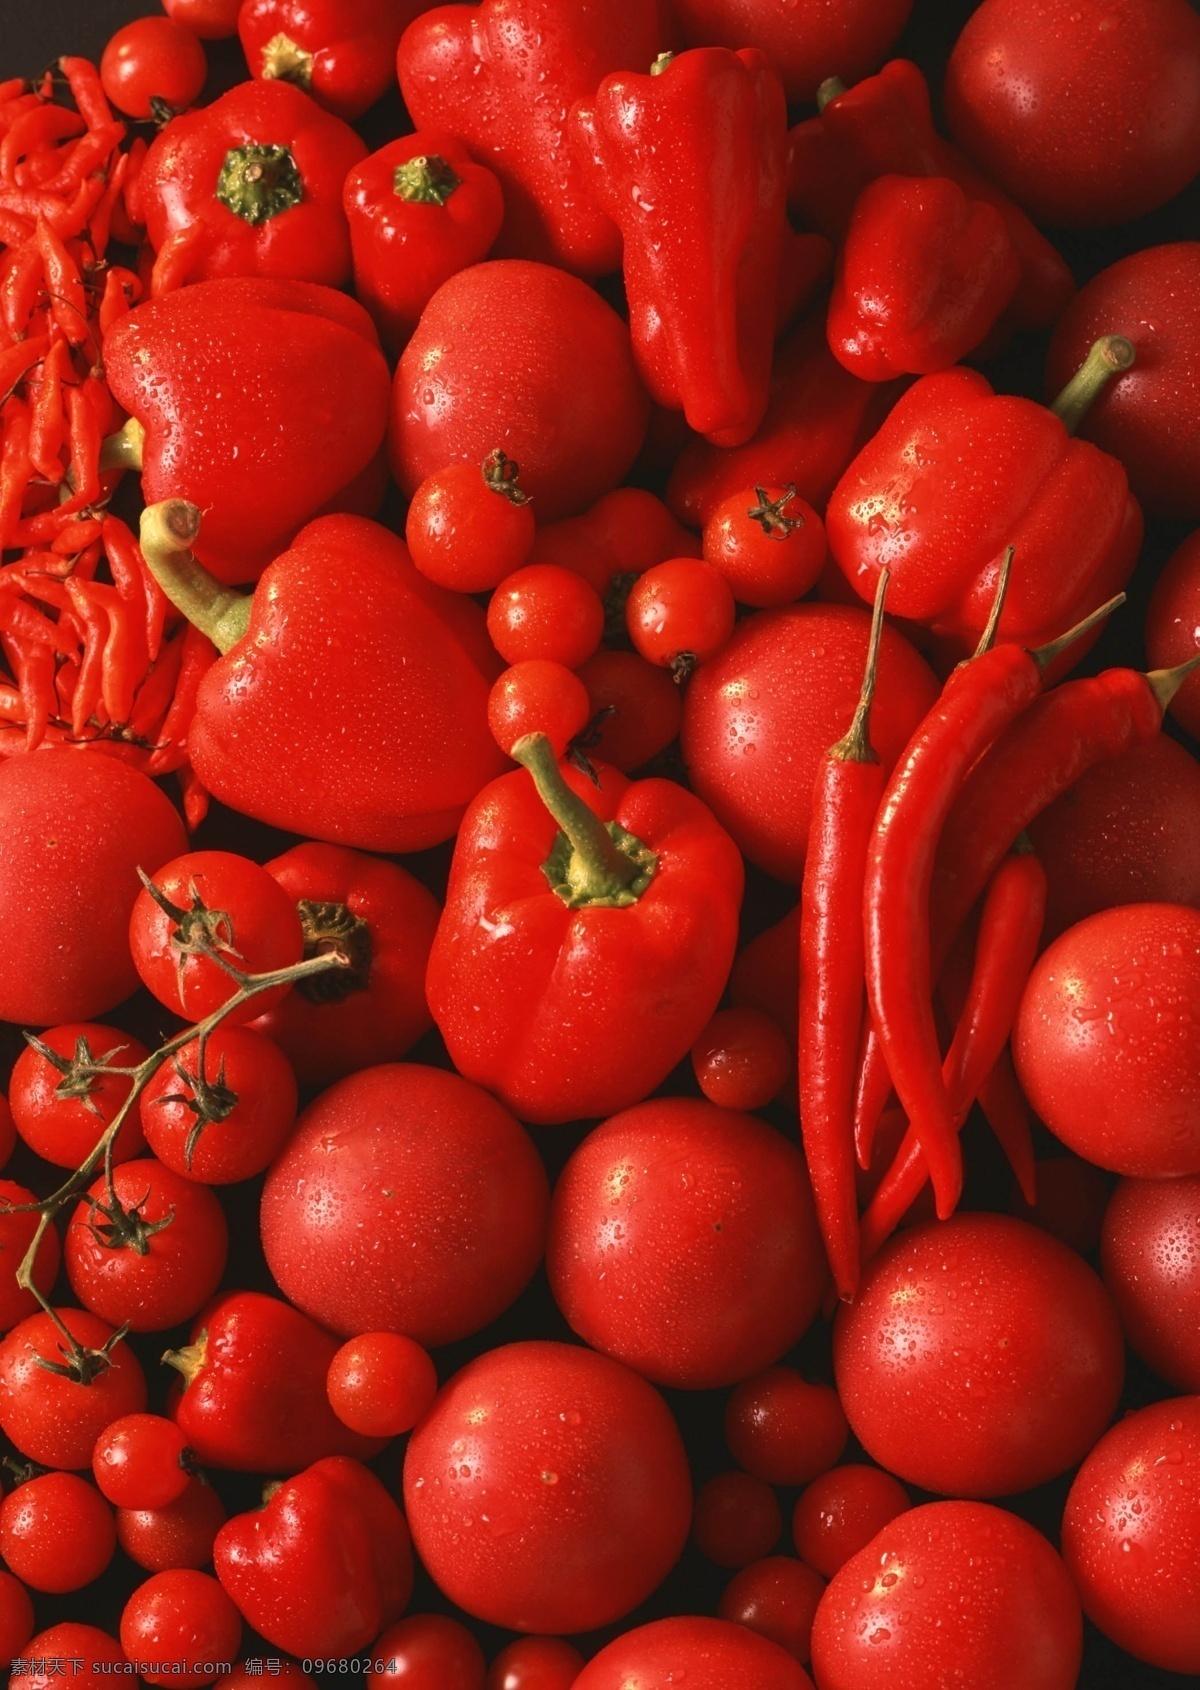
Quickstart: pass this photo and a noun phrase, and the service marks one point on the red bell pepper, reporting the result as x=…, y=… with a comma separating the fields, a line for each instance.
x=420, y=209
x=587, y=936
x=884, y=126
x=689, y=161
x=323, y=1566
x=486, y=74
x=261, y=401
x=922, y=278
x=249, y=186
x=339, y=51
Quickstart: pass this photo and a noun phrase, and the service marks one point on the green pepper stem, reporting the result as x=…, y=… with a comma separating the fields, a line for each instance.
x=167, y=533
x=123, y=450
x=1164, y=683
x=988, y=638
x=284, y=60
x=1110, y=355
x=830, y=89
x=856, y=747
x=1045, y=654
x=425, y=180
x=598, y=868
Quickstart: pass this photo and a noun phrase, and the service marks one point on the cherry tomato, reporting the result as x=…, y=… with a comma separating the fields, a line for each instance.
x=736, y=1519
x=776, y=1597
x=1173, y=627
x=635, y=707
x=428, y=1652
x=535, y=1663
x=102, y=1656
x=54, y=1418
x=210, y=20
x=470, y=525
x=61, y=1106
x=180, y=1624
x=16, y=1617
x=680, y=613
x=149, y=1254
x=768, y=544
x=545, y=612
x=1150, y=1258
x=683, y=1242
x=1131, y=1534
x=16, y=1235
x=701, y=1653
x=57, y=1532
x=784, y=1430
x=1105, y=1042
x=152, y=60
x=951, y=1593
x=840, y=1512
x=1007, y=1341
x=802, y=41
x=1071, y=1199
x=179, y=1534
x=741, y=1060
x=538, y=697
x=140, y=1461
x=229, y=1122
x=547, y=1488
x=380, y=1384
x=620, y=536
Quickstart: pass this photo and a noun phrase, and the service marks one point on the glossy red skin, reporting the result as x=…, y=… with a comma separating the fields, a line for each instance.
x=53, y=1420
x=16, y=1617
x=180, y=1621
x=623, y=533
x=472, y=72
x=8, y=1143
x=56, y=1532
x=806, y=42
x=76, y=830
x=646, y=705
x=682, y=606
x=180, y=1534
x=256, y=1402
x=404, y=250
x=183, y=1264
x=251, y=1135
x=1016, y=1375
x=1173, y=627
x=760, y=717
x=353, y=43
x=16, y=1235
x=561, y=1553
x=706, y=1654
x=765, y=569
x=210, y=20
x=137, y=1462
x=1150, y=1258
x=766, y=974
x=270, y=734
x=565, y=1013
x=1104, y=1041
x=380, y=1384
x=742, y=1059
x=783, y=1429
x=776, y=1597
x=557, y=391
x=152, y=57
x=1127, y=833
x=465, y=534
x=324, y=1566
x=101, y=1654
x=683, y=1243
x=64, y=1130
x=736, y=1519
x=1044, y=104
x=1131, y=1534
x=242, y=387
x=428, y=1652
x=538, y=697
x=1071, y=1197
x=543, y=611
x=841, y=1511
x=535, y=1663
x=405, y=1163
x=956, y=474
x=951, y=1593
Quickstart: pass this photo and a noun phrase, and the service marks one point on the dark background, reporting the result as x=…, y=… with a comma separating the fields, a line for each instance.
x=30, y=42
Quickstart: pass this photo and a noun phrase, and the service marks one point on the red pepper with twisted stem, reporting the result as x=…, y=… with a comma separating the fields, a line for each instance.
x=689, y=162
x=339, y=51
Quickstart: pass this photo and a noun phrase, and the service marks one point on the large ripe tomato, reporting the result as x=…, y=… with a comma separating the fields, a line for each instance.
x=547, y=1489
x=981, y=1357
x=1150, y=1258
x=407, y=1200
x=54, y=1418
x=698, y=1654
x=951, y=1596
x=76, y=827
x=1105, y=1040
x=806, y=40
x=60, y=1107
x=759, y=718
x=104, y=1662
x=683, y=1242
x=1131, y=1534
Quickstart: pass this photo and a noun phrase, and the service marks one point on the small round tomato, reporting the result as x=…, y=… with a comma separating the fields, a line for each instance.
x=538, y=697
x=636, y=708
x=776, y=1597
x=140, y=1461
x=840, y=1512
x=181, y=1624
x=61, y=1105
x=1173, y=627
x=209, y=20
x=1150, y=1258
x=741, y=1060
x=153, y=61
x=54, y=1418
x=428, y=1652
x=57, y=1532
x=768, y=544
x=380, y=1384
x=736, y=1519
x=620, y=536
x=179, y=1534
x=535, y=1663
x=470, y=525
x=545, y=612
x=16, y=1235
x=680, y=613
x=16, y=1617
x=102, y=1656
x=703, y=1654
x=784, y=1430
x=229, y=1121
x=151, y=1252
x=1070, y=1199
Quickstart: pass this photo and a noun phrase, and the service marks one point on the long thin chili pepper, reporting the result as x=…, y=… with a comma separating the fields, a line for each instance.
x=86, y=702
x=14, y=88
x=195, y=798
x=1007, y=1113
x=199, y=654
x=134, y=580
x=99, y=225
x=83, y=79
x=25, y=622
x=124, y=651
x=14, y=230
x=845, y=799
x=69, y=218
x=16, y=360
x=15, y=468
x=37, y=130
x=22, y=283
x=85, y=437
x=64, y=284
x=11, y=706
x=86, y=156
x=32, y=664
x=76, y=535
x=156, y=692
x=47, y=418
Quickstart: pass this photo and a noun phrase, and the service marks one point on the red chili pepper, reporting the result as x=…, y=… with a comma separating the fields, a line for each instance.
x=846, y=796
x=195, y=798
x=1007, y=1113
x=84, y=434
x=122, y=290
x=19, y=290
x=689, y=163
x=342, y=52
x=69, y=218
x=14, y=230
x=86, y=157
x=83, y=79
x=38, y=130
x=14, y=88
x=198, y=654
x=155, y=695
x=16, y=361
x=47, y=422
x=87, y=697
x=134, y=581
x=76, y=535
x=125, y=656
x=16, y=470
x=68, y=302
x=99, y=222
x=12, y=707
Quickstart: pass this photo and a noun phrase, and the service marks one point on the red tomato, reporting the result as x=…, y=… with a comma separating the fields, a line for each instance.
x=205, y=902
x=954, y=1593
x=777, y=1598
x=1131, y=1534
x=61, y=1107
x=381, y=1384
x=841, y=1511
x=758, y=720
x=557, y=390
x=621, y=535
x=1173, y=627
x=547, y=1489
x=427, y=1652
x=1071, y=1197
x=680, y=614
x=16, y=1617
x=8, y=1139
x=1150, y=1258
x=538, y=697
x=179, y=1534
x=210, y=20
x=153, y=60
x=768, y=544
x=736, y=1520
x=55, y=1419
x=57, y=1532
x=981, y=1357
x=230, y=1122
x=636, y=708
x=141, y=1461
x=683, y=1242
x=701, y=1653
x=1105, y=1041
x=430, y=1171
x=806, y=41
x=76, y=829
x=545, y=612
x=1042, y=100
x=783, y=1429
x=741, y=1060
x=180, y=1623
x=16, y=1235
x=102, y=1655
x=469, y=526
x=535, y=1663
